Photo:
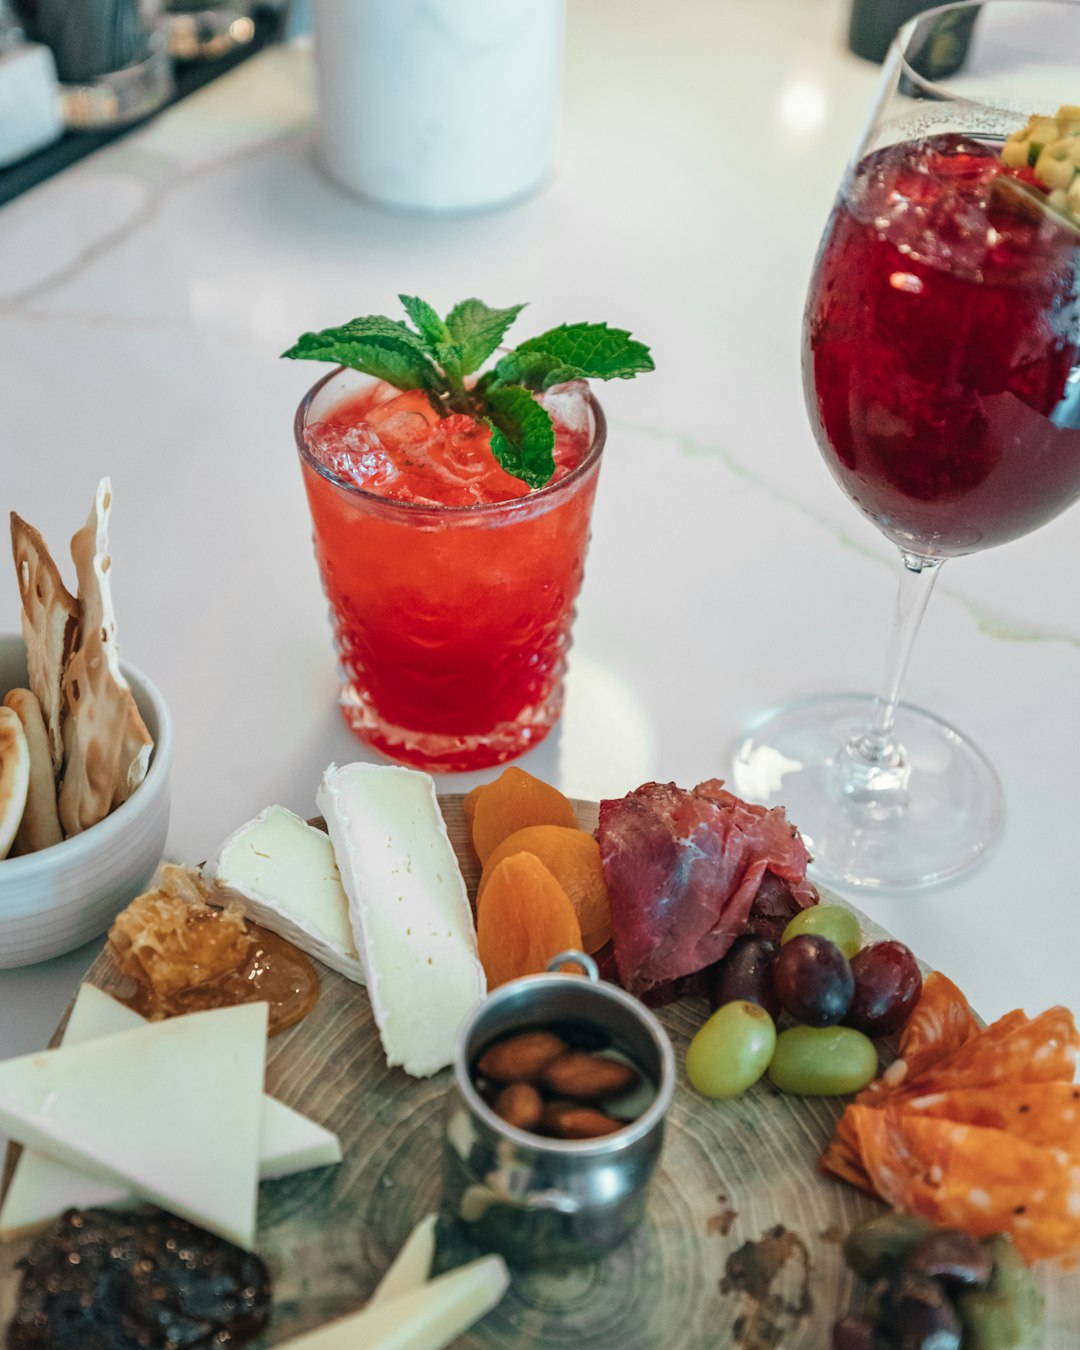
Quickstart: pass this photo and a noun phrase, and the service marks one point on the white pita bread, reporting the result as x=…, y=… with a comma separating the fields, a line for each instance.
x=14, y=777
x=40, y=825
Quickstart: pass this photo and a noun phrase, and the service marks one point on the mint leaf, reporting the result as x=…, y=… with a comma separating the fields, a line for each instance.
x=522, y=436
x=376, y=346
x=478, y=330
x=427, y=323
x=577, y=351
x=438, y=355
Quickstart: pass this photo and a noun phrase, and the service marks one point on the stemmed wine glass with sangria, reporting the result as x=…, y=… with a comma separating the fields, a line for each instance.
x=941, y=364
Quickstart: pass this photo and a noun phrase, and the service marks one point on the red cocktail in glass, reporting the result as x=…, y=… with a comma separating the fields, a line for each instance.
x=941, y=366
x=942, y=348
x=451, y=584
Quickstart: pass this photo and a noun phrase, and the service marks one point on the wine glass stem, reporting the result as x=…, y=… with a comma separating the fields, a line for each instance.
x=873, y=767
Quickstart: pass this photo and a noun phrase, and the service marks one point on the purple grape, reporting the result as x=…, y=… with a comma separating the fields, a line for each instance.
x=887, y=987
x=745, y=973
x=813, y=980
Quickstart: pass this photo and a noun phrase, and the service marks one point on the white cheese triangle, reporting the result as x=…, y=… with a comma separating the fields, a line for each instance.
x=412, y=1265
x=423, y=1319
x=41, y=1189
x=409, y=909
x=170, y=1110
x=286, y=876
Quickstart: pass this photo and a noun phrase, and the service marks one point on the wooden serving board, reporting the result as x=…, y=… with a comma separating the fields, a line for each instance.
x=740, y=1246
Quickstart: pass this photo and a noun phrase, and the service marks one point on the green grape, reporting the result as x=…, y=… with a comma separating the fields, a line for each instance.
x=834, y=922
x=822, y=1061
x=731, y=1050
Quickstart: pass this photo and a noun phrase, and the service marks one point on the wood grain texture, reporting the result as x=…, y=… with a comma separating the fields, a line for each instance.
x=740, y=1247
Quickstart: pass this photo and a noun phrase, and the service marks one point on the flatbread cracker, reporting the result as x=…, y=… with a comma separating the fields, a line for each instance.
x=97, y=722
x=40, y=826
x=50, y=621
x=14, y=777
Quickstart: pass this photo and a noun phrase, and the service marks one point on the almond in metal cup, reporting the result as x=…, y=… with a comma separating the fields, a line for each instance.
x=544, y=1201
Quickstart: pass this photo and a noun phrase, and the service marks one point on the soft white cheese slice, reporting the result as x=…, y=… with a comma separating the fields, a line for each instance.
x=410, y=912
x=412, y=1265
x=41, y=1189
x=284, y=872
x=423, y=1319
x=170, y=1110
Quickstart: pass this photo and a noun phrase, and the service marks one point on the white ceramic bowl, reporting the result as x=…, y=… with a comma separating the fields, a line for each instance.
x=56, y=899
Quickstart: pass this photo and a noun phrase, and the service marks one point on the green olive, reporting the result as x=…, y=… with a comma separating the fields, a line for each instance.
x=822, y=1061
x=731, y=1050
x=834, y=922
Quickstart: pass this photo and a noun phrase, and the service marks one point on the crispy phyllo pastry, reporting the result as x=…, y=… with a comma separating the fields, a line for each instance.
x=186, y=955
x=170, y=941
x=50, y=620
x=974, y=1128
x=106, y=745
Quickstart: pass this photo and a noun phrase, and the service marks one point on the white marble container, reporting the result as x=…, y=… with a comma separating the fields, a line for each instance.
x=438, y=105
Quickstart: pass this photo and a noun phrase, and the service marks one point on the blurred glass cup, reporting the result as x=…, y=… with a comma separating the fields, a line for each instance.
x=204, y=30
x=438, y=105
x=110, y=57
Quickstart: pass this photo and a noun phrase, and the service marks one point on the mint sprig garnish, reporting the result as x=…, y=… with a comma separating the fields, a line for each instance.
x=439, y=356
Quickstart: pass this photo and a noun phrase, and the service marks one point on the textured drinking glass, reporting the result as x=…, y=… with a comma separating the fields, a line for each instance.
x=451, y=623
x=941, y=360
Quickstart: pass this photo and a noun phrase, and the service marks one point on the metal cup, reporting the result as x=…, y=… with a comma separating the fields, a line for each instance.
x=541, y=1201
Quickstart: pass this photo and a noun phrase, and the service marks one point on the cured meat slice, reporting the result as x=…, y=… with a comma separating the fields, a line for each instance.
x=1014, y=1049
x=986, y=1138
x=1041, y=1113
x=941, y=1023
x=982, y=1180
x=683, y=869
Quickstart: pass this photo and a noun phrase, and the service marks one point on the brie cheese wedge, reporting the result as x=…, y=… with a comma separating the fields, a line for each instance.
x=171, y=1111
x=41, y=1189
x=284, y=872
x=409, y=908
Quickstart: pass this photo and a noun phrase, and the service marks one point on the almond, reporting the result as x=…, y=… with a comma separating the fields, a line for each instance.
x=588, y=1078
x=569, y=1120
x=520, y=1105
x=522, y=1058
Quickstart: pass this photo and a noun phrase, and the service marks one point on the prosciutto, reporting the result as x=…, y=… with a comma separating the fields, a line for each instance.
x=683, y=869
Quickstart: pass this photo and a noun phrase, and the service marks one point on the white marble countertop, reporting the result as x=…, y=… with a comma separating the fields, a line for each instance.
x=146, y=293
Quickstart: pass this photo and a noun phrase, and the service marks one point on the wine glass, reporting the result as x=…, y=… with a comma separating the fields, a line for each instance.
x=941, y=366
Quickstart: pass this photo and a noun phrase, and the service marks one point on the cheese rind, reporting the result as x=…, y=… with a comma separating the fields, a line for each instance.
x=409, y=908
x=423, y=1319
x=169, y=1110
x=41, y=1189
x=284, y=872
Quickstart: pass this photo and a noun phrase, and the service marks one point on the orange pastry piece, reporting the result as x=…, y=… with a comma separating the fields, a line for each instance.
x=525, y=920
x=509, y=803
x=573, y=859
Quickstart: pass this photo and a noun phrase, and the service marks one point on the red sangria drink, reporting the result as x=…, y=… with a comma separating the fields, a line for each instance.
x=451, y=485
x=943, y=347
x=941, y=367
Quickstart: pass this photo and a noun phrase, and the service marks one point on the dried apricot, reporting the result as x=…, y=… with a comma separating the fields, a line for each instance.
x=573, y=859
x=512, y=801
x=468, y=805
x=526, y=919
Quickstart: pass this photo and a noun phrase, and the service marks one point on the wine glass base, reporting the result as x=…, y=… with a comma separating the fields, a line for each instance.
x=940, y=825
